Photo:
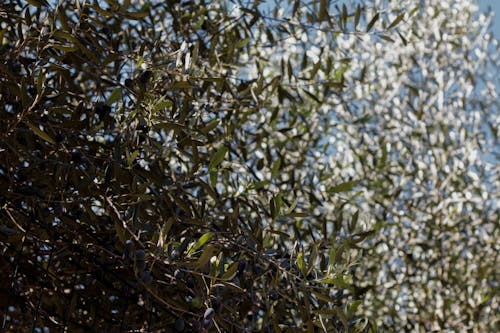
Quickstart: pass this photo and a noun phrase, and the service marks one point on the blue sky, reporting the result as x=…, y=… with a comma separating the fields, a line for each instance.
x=495, y=6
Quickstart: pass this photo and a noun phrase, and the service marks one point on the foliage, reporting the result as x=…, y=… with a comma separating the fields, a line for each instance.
x=140, y=189
x=417, y=125
x=227, y=166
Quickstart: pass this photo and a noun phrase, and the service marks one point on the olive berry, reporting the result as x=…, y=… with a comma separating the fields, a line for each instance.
x=140, y=255
x=209, y=314
x=145, y=76
x=241, y=266
x=207, y=323
x=179, y=324
x=146, y=277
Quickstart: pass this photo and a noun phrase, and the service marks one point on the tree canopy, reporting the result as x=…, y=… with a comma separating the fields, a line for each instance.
x=233, y=166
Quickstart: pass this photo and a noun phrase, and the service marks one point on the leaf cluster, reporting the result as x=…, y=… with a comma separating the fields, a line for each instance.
x=131, y=198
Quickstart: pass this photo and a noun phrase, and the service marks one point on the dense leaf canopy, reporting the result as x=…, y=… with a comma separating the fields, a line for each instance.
x=218, y=166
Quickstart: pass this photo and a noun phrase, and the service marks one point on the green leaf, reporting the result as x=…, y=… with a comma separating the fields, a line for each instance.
x=405, y=42
x=340, y=282
x=353, y=307
x=292, y=206
x=242, y=43
x=344, y=15
x=324, y=298
x=357, y=16
x=301, y=264
x=208, y=253
x=213, y=178
x=131, y=158
x=357, y=238
x=64, y=36
x=64, y=48
x=217, y=158
x=331, y=259
x=164, y=232
x=182, y=85
x=344, y=187
x=354, y=220
x=135, y=15
x=115, y=95
x=372, y=22
x=387, y=38
x=41, y=134
x=161, y=104
x=210, y=126
x=398, y=19
x=200, y=242
x=276, y=167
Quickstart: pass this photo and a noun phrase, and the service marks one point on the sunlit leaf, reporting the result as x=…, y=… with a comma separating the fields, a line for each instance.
x=200, y=242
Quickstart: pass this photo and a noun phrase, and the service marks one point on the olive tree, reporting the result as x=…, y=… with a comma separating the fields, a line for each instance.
x=151, y=183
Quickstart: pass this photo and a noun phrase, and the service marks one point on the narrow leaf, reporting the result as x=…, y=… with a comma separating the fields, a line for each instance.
x=217, y=158
x=372, y=22
x=40, y=133
x=301, y=264
x=242, y=43
x=344, y=15
x=115, y=96
x=200, y=242
x=344, y=187
x=208, y=253
x=357, y=16
x=396, y=21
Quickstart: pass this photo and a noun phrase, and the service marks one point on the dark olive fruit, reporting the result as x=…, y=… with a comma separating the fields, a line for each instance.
x=189, y=283
x=102, y=110
x=59, y=137
x=127, y=248
x=45, y=212
x=179, y=325
x=32, y=91
x=146, y=277
x=107, y=31
x=106, y=108
x=143, y=127
x=129, y=83
x=241, y=266
x=207, y=323
x=76, y=157
x=209, y=314
x=145, y=76
x=140, y=265
x=273, y=295
x=140, y=255
x=58, y=210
